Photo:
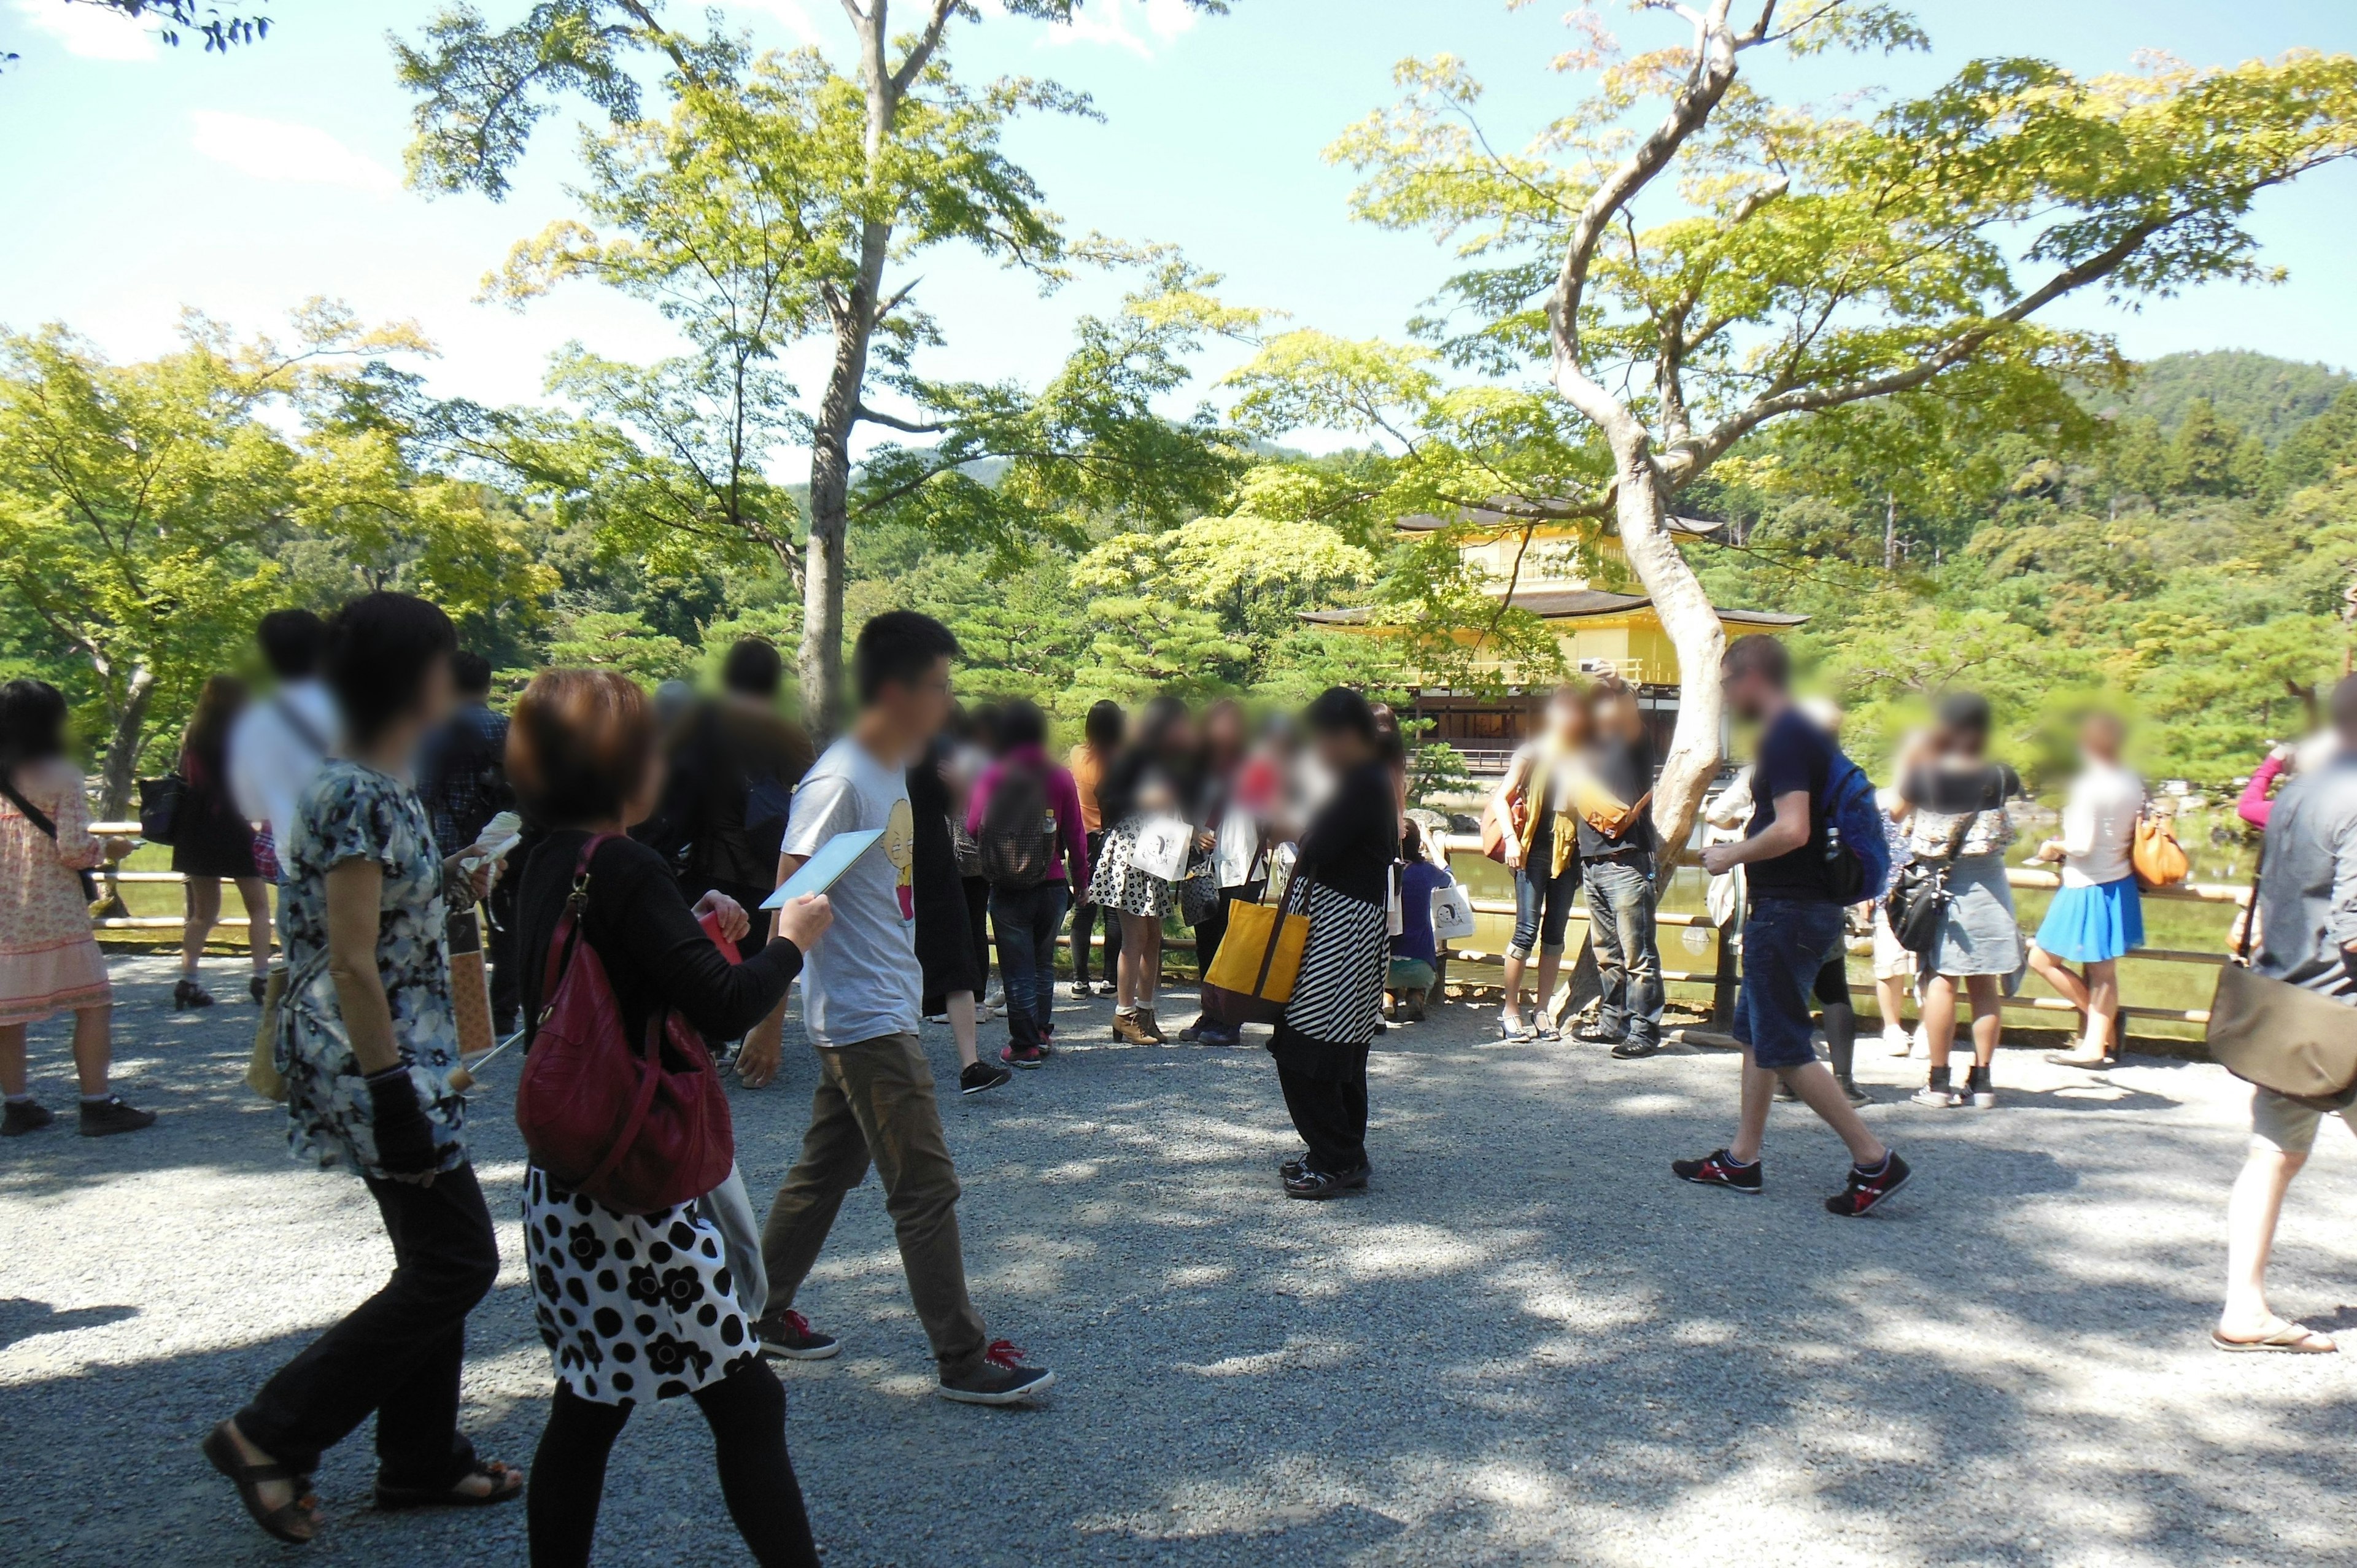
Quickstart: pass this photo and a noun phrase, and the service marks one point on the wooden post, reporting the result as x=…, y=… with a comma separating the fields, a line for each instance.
x=1723, y=983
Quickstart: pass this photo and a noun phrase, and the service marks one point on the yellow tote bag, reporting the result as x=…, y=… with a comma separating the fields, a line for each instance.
x=1252, y=975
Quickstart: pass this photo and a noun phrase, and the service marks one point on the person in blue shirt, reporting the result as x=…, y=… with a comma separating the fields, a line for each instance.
x=1415, y=952
x=1794, y=926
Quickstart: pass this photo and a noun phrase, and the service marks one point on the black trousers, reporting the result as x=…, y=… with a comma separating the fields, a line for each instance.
x=399, y=1352
x=746, y=1413
x=1329, y=1112
x=977, y=925
x=500, y=951
x=1084, y=922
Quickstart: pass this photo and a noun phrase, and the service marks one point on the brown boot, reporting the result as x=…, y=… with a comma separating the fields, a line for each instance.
x=1126, y=1028
x=1154, y=1034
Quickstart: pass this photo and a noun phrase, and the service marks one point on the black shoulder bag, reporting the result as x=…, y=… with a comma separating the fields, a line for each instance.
x=1917, y=902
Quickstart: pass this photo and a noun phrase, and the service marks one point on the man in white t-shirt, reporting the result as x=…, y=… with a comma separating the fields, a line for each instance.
x=276, y=745
x=861, y=986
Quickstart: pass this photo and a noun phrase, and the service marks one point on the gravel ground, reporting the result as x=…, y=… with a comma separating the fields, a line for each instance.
x=1526, y=1344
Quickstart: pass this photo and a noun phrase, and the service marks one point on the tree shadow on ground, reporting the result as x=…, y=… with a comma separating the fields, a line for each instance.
x=1526, y=1344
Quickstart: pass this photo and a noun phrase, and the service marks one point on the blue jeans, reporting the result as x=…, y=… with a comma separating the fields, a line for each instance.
x=1025, y=920
x=1541, y=903
x=1786, y=943
x=1628, y=958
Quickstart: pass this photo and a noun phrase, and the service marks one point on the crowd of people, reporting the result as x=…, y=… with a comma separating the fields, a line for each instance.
x=648, y=841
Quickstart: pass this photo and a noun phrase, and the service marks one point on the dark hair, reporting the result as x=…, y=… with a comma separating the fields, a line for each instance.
x=470, y=674
x=1757, y=653
x=1610, y=689
x=1410, y=839
x=1390, y=746
x=753, y=667
x=983, y=727
x=1965, y=713
x=384, y=649
x=1021, y=722
x=1156, y=721
x=2344, y=704
x=293, y=643
x=1104, y=723
x=897, y=646
x=32, y=722
x=1339, y=710
x=218, y=705
x=579, y=744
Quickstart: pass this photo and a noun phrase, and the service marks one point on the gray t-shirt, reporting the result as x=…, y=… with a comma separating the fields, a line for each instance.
x=861, y=981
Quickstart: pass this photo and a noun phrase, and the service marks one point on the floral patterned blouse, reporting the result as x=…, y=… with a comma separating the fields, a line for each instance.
x=351, y=811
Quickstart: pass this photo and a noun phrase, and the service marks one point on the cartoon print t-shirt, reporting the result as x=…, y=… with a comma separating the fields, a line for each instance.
x=861, y=981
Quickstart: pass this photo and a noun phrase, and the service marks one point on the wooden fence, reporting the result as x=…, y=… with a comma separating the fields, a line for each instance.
x=1718, y=979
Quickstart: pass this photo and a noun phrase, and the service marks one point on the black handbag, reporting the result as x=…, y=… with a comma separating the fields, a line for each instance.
x=1917, y=903
x=2296, y=1042
x=160, y=801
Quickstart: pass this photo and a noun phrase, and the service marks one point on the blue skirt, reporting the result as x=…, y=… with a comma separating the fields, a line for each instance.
x=2088, y=925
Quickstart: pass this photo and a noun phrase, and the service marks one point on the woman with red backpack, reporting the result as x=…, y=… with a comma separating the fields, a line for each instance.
x=635, y=1304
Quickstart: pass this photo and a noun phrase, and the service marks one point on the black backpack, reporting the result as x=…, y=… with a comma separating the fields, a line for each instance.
x=1019, y=832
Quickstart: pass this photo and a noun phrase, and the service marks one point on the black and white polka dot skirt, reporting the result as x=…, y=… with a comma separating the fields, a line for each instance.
x=634, y=1307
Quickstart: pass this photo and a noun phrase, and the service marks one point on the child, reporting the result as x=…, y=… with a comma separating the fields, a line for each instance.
x=1414, y=951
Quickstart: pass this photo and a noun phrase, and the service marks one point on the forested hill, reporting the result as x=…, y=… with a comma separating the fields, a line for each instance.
x=2266, y=396
x=2192, y=558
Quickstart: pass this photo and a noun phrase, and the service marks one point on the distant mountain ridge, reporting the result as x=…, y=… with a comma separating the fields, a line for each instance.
x=2267, y=397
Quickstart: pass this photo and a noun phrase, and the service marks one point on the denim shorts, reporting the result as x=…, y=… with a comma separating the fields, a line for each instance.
x=1786, y=941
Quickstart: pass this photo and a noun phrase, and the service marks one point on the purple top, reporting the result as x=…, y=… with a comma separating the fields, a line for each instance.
x=1063, y=801
x=1419, y=880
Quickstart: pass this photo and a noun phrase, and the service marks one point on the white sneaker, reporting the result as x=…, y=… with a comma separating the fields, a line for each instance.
x=1897, y=1040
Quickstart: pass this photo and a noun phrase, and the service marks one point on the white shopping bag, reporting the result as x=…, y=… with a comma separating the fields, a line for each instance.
x=1452, y=913
x=1394, y=910
x=1238, y=849
x=1163, y=847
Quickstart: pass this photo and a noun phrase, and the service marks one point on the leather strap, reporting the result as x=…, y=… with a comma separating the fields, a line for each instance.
x=567, y=935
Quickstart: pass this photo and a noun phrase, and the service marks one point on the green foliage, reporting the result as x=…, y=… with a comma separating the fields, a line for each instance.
x=2267, y=397
x=620, y=641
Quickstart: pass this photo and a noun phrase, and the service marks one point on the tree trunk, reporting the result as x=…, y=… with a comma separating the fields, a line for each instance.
x=1891, y=530
x=121, y=774
x=1694, y=631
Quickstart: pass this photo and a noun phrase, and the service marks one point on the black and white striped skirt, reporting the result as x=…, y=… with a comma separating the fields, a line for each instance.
x=1338, y=1002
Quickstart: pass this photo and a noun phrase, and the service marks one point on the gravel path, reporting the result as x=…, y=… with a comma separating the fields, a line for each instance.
x=1525, y=1344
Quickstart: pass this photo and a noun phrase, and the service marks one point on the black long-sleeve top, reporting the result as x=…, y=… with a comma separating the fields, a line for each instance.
x=644, y=931
x=1354, y=839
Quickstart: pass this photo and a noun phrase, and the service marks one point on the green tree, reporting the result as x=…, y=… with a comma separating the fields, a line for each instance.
x=1687, y=275
x=850, y=176
x=134, y=499
x=620, y=640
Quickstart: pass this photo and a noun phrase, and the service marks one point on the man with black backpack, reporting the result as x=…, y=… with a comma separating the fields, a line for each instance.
x=1025, y=819
x=1802, y=876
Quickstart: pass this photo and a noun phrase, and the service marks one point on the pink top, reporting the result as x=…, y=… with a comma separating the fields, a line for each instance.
x=2255, y=808
x=1063, y=799
x=49, y=958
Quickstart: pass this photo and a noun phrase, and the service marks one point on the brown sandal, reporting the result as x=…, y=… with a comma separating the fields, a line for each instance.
x=507, y=1485
x=221, y=1449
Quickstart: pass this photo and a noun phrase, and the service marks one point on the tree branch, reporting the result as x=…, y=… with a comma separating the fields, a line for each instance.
x=876, y=416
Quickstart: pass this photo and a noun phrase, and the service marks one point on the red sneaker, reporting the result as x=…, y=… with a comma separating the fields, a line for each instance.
x=1718, y=1168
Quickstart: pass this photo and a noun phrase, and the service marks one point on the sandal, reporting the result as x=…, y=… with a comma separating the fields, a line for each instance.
x=221, y=1449
x=2090, y=1064
x=2285, y=1339
x=507, y=1485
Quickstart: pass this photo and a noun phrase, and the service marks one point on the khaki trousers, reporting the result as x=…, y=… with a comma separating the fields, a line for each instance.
x=875, y=1102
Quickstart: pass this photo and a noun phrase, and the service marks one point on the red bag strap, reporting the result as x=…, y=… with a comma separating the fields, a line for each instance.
x=649, y=1079
x=567, y=935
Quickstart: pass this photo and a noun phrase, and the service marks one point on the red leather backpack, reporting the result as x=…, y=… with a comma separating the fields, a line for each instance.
x=639, y=1129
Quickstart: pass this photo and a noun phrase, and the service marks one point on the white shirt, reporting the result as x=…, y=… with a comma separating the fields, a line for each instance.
x=860, y=981
x=270, y=762
x=2099, y=825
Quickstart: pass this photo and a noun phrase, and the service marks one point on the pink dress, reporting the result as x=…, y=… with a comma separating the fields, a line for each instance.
x=49, y=960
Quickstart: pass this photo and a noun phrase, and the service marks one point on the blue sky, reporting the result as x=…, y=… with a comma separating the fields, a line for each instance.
x=139, y=179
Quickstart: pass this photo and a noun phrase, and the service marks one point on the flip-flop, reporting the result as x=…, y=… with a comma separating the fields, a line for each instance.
x=2085, y=1064
x=221, y=1450
x=2291, y=1339
x=453, y=1495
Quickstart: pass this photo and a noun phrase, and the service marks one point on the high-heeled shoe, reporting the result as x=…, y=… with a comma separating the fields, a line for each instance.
x=187, y=993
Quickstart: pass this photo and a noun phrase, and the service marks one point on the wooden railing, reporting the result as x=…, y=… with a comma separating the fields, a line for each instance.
x=1719, y=978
